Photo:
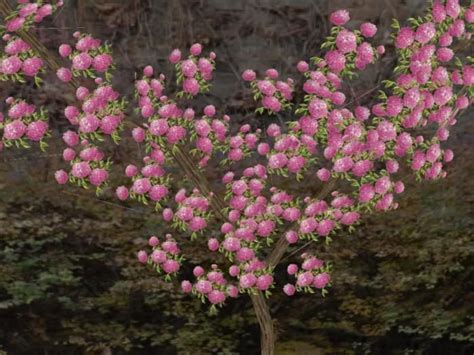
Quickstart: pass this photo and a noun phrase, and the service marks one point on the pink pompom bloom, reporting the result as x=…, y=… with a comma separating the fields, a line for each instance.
x=61, y=177
x=65, y=50
x=141, y=186
x=32, y=66
x=189, y=68
x=122, y=193
x=368, y=29
x=335, y=60
x=302, y=66
x=346, y=41
x=271, y=103
x=175, y=56
x=102, y=62
x=36, y=130
x=81, y=170
x=196, y=49
x=339, y=17
x=191, y=86
x=320, y=281
x=11, y=65
x=289, y=289
x=405, y=38
x=247, y=280
x=82, y=61
x=444, y=54
x=14, y=130
x=142, y=256
x=15, y=24
x=98, y=176
x=425, y=32
x=64, y=74
x=89, y=123
x=249, y=75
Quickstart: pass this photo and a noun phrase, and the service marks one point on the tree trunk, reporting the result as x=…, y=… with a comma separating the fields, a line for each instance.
x=267, y=331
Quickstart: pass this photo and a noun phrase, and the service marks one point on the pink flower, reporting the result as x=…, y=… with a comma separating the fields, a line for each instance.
x=142, y=256
x=343, y=165
x=15, y=24
x=89, y=123
x=336, y=61
x=81, y=170
x=325, y=227
x=102, y=62
x=444, y=54
x=14, y=130
x=271, y=103
x=320, y=281
x=189, y=68
x=64, y=74
x=61, y=177
x=98, y=176
x=305, y=279
x=277, y=161
x=216, y=297
x=191, y=86
x=438, y=12
x=70, y=138
x=186, y=286
x=247, y=280
x=264, y=282
x=141, y=186
x=289, y=289
x=405, y=38
x=82, y=61
x=249, y=75
x=346, y=41
x=302, y=67
x=196, y=49
x=11, y=65
x=425, y=32
x=368, y=29
x=366, y=193
x=175, y=56
x=65, y=50
x=32, y=66
x=339, y=17
x=318, y=108
x=122, y=193
x=36, y=130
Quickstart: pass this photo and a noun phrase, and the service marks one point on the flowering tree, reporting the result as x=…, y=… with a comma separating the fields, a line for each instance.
x=355, y=154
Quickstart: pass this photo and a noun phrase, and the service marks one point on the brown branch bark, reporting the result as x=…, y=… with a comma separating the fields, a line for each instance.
x=265, y=321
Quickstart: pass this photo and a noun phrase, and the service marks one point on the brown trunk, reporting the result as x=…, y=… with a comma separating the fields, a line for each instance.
x=267, y=331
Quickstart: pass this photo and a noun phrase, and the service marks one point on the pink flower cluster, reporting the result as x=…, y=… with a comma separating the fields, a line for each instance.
x=150, y=183
x=28, y=13
x=86, y=161
x=291, y=152
x=211, y=286
x=101, y=112
x=275, y=95
x=253, y=275
x=195, y=72
x=90, y=59
x=165, y=258
x=192, y=212
x=19, y=61
x=240, y=145
x=22, y=125
x=210, y=134
x=313, y=275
